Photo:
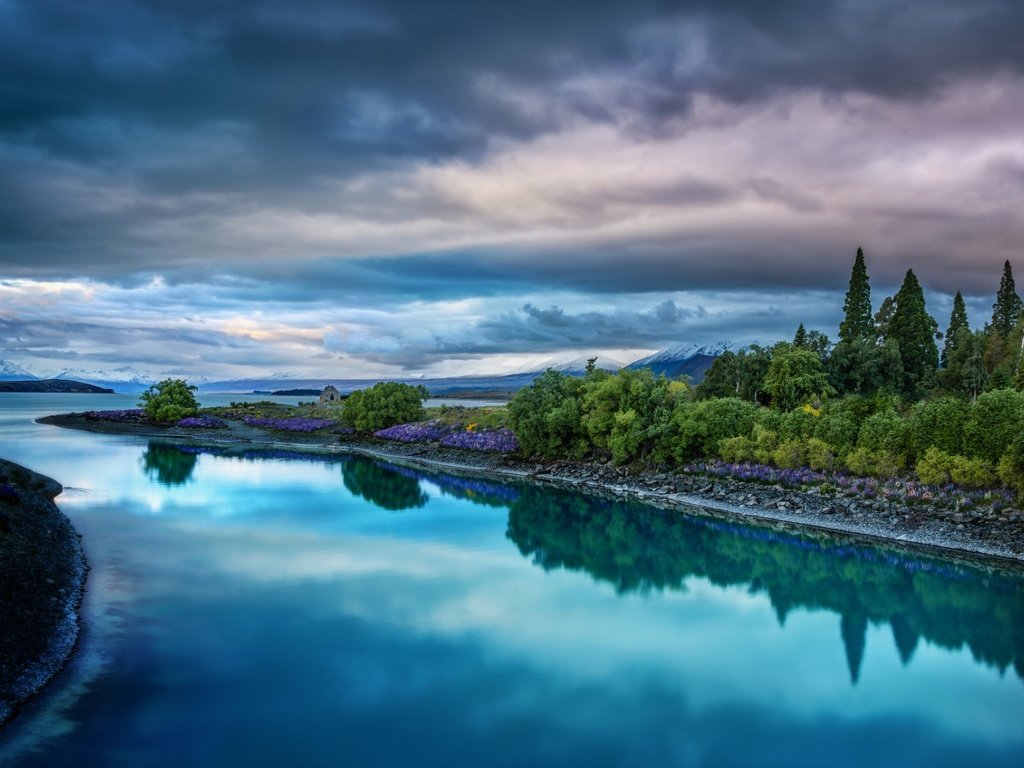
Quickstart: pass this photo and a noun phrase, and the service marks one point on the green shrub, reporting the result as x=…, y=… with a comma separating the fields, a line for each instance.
x=938, y=423
x=546, y=417
x=868, y=463
x=169, y=400
x=819, y=455
x=384, y=405
x=789, y=455
x=629, y=413
x=765, y=443
x=971, y=473
x=995, y=420
x=701, y=426
x=1011, y=465
x=797, y=424
x=839, y=429
x=736, y=449
x=883, y=431
x=934, y=467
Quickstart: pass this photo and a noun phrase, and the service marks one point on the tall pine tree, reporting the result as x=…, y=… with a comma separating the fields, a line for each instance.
x=857, y=321
x=957, y=321
x=914, y=330
x=800, y=339
x=1007, y=309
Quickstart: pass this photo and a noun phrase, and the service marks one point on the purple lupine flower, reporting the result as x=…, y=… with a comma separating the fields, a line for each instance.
x=499, y=440
x=415, y=432
x=291, y=424
x=201, y=422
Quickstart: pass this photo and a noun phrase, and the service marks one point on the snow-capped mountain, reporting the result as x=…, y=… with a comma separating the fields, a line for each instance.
x=118, y=379
x=13, y=372
x=692, y=360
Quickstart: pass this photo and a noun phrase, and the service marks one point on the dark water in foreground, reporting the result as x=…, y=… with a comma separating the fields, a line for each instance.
x=263, y=610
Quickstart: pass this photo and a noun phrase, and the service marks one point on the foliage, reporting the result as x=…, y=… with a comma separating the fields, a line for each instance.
x=790, y=454
x=701, y=427
x=383, y=405
x=995, y=421
x=820, y=455
x=794, y=377
x=546, y=417
x=737, y=374
x=169, y=400
x=857, y=325
x=1007, y=310
x=884, y=431
x=938, y=423
x=965, y=372
x=957, y=323
x=628, y=412
x=934, y=467
x=913, y=329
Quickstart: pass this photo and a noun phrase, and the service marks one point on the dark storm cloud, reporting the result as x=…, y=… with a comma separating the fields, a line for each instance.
x=128, y=123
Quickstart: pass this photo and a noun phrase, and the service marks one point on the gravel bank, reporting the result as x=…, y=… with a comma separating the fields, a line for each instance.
x=42, y=579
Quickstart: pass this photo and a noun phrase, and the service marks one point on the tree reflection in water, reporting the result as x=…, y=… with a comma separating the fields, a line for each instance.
x=168, y=464
x=640, y=548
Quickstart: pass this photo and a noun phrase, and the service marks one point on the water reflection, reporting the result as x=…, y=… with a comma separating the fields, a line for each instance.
x=168, y=464
x=639, y=548
x=382, y=485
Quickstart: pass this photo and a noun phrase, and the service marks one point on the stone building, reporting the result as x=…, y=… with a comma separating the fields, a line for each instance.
x=330, y=394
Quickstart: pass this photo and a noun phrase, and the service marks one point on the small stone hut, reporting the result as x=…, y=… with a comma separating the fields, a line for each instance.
x=330, y=394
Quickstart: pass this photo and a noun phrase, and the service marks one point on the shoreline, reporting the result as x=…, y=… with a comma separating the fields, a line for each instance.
x=973, y=535
x=42, y=584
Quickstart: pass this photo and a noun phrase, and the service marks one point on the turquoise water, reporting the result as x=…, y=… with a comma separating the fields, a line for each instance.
x=265, y=610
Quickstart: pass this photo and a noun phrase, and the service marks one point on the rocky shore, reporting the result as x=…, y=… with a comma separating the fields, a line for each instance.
x=42, y=578
x=983, y=534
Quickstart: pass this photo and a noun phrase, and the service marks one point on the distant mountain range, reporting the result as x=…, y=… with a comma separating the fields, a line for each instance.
x=691, y=360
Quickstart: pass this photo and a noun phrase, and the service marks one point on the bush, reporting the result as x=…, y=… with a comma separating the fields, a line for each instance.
x=933, y=468
x=938, y=423
x=546, y=417
x=884, y=431
x=995, y=420
x=736, y=450
x=789, y=455
x=169, y=401
x=765, y=443
x=868, y=463
x=798, y=424
x=630, y=412
x=819, y=455
x=384, y=405
x=702, y=426
x=838, y=429
x=971, y=473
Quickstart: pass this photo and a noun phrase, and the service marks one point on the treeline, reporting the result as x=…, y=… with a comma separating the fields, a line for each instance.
x=881, y=400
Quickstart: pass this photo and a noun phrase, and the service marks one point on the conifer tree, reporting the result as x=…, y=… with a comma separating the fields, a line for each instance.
x=857, y=321
x=914, y=330
x=1008, y=307
x=957, y=321
x=800, y=339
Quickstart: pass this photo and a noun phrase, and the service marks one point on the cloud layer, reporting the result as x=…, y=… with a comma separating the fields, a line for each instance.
x=395, y=186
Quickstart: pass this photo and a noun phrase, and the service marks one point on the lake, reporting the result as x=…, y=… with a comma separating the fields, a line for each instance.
x=262, y=609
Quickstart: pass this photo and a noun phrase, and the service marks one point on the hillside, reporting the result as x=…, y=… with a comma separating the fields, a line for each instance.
x=53, y=385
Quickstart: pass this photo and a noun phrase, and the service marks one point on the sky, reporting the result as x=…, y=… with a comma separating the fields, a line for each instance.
x=242, y=187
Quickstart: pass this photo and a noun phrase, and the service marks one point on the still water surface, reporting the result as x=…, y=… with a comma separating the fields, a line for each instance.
x=268, y=610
